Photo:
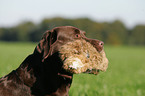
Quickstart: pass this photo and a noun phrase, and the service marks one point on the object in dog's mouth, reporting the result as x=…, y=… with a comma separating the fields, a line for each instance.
x=80, y=56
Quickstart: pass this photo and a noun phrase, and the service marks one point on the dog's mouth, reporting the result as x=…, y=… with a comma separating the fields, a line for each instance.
x=93, y=71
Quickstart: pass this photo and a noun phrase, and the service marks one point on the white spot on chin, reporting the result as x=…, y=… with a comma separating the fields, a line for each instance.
x=77, y=63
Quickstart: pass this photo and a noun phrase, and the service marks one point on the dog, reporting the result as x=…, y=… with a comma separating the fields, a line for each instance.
x=41, y=73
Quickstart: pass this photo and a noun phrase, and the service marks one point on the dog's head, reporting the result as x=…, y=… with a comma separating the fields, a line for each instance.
x=73, y=46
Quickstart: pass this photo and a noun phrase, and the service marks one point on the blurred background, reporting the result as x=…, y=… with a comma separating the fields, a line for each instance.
x=114, y=22
x=120, y=24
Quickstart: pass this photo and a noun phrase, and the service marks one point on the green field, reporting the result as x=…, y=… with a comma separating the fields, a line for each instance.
x=124, y=77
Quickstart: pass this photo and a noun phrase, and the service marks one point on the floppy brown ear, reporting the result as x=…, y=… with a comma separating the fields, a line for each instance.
x=45, y=45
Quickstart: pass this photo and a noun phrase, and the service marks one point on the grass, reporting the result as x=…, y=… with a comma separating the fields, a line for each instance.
x=124, y=77
x=12, y=54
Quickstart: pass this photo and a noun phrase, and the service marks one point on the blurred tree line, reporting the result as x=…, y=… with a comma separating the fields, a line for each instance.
x=114, y=33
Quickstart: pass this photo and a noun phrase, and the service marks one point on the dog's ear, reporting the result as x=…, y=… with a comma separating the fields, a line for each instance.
x=45, y=45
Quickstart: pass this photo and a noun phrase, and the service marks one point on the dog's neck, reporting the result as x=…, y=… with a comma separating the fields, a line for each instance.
x=46, y=77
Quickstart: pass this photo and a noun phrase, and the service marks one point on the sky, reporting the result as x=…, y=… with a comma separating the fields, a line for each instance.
x=131, y=12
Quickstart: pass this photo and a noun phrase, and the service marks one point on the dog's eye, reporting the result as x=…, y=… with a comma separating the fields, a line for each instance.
x=77, y=35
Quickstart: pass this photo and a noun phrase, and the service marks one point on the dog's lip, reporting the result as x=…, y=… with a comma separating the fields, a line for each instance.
x=100, y=49
x=92, y=71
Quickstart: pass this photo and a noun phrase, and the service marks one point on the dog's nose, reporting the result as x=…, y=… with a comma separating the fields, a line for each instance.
x=101, y=43
x=96, y=43
x=99, y=46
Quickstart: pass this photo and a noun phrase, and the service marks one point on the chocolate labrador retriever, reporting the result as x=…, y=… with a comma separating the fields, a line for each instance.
x=41, y=73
